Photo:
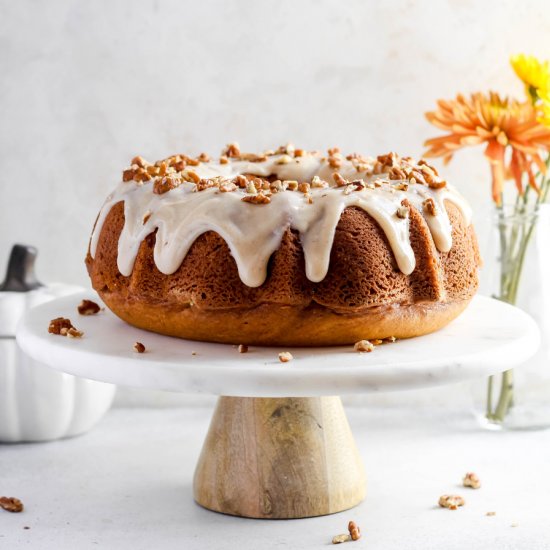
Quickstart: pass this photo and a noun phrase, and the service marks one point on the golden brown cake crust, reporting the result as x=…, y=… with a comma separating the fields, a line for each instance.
x=363, y=296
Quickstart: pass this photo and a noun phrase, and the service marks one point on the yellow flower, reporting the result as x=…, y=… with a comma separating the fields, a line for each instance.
x=544, y=117
x=535, y=75
x=503, y=124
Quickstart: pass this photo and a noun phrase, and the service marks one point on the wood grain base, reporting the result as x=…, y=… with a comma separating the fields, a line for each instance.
x=279, y=458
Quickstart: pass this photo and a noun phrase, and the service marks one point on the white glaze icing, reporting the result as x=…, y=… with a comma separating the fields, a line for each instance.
x=254, y=231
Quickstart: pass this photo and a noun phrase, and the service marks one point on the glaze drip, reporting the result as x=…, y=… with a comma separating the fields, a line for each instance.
x=253, y=232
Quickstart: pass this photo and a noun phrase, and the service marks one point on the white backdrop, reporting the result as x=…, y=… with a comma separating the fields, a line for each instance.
x=84, y=86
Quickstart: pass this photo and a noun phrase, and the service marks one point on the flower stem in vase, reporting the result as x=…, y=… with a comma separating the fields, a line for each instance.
x=515, y=135
x=516, y=230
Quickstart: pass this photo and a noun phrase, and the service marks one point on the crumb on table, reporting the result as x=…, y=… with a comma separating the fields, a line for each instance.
x=285, y=356
x=11, y=504
x=452, y=502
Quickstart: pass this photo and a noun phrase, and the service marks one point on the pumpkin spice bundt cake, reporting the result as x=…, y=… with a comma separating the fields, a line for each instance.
x=286, y=247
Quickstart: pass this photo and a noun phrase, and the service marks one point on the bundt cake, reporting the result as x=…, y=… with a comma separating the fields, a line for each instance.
x=286, y=247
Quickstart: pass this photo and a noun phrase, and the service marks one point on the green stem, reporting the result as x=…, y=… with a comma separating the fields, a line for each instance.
x=489, y=410
x=505, y=398
x=513, y=250
x=519, y=269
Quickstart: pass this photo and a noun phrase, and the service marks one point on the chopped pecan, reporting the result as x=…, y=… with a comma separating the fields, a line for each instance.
x=260, y=198
x=285, y=356
x=128, y=174
x=291, y=185
x=437, y=183
x=396, y=173
x=139, y=347
x=401, y=186
x=339, y=539
x=165, y=184
x=335, y=162
x=227, y=187
x=424, y=162
x=403, y=212
x=284, y=159
x=415, y=176
x=140, y=161
x=60, y=325
x=191, y=175
x=339, y=179
x=277, y=186
x=349, y=189
x=363, y=346
x=287, y=149
x=241, y=181
x=431, y=178
x=163, y=168
x=251, y=188
x=451, y=501
x=141, y=175
x=359, y=184
x=232, y=151
x=74, y=333
x=317, y=182
x=471, y=480
x=11, y=504
x=389, y=160
x=429, y=207
x=253, y=157
x=354, y=530
x=88, y=307
x=206, y=184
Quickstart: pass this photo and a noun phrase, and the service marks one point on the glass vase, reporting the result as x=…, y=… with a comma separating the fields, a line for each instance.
x=520, y=273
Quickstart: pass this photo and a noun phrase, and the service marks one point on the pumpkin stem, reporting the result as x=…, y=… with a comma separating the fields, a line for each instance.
x=20, y=276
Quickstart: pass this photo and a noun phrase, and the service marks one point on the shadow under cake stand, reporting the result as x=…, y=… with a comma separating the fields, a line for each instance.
x=268, y=453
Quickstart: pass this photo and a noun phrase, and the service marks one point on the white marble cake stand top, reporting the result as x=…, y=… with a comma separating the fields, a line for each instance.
x=489, y=337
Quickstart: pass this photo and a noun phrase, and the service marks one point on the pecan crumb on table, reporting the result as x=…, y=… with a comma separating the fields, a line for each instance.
x=471, y=480
x=11, y=504
x=363, y=346
x=339, y=539
x=354, y=530
x=452, y=502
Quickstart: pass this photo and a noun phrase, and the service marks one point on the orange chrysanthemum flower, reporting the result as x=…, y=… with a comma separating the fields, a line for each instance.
x=503, y=124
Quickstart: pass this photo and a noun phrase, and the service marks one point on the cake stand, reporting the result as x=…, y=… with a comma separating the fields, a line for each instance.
x=277, y=446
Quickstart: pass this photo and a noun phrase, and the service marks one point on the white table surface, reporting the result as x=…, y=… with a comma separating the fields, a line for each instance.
x=127, y=485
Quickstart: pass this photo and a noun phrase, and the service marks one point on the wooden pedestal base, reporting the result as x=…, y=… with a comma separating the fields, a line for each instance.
x=279, y=458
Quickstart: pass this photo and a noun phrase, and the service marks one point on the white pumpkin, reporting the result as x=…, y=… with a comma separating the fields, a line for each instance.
x=38, y=403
